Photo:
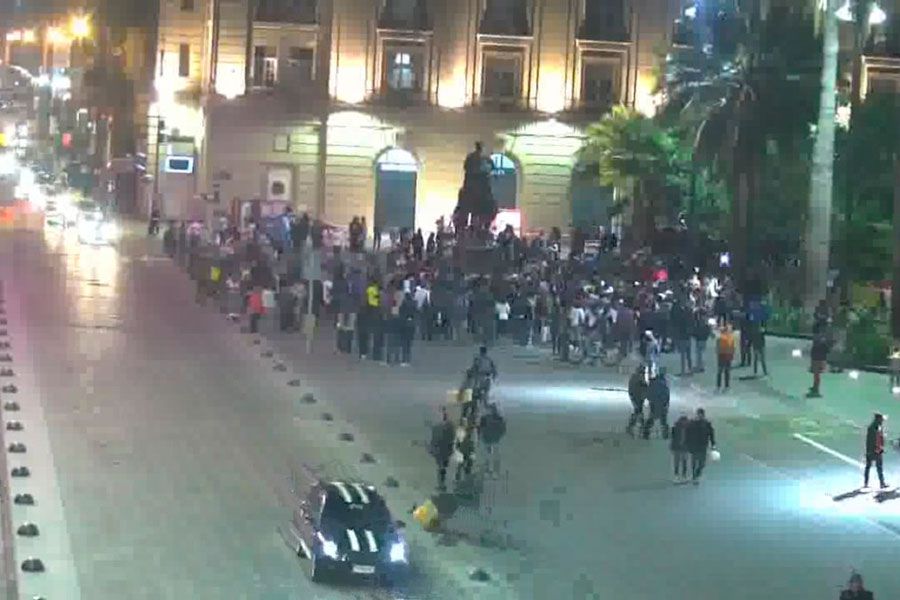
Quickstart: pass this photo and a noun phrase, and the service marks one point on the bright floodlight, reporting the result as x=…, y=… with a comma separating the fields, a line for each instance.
x=854, y=374
x=80, y=26
x=877, y=16
x=691, y=12
x=895, y=390
x=797, y=353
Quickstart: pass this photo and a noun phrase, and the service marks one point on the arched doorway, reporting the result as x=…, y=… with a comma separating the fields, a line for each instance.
x=591, y=201
x=396, y=171
x=504, y=185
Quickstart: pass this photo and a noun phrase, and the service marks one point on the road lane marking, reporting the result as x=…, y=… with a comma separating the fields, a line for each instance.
x=827, y=450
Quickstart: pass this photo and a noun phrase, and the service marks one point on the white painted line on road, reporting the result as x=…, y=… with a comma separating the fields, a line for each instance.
x=827, y=450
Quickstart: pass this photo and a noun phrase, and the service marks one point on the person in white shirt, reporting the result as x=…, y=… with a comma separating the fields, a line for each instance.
x=501, y=309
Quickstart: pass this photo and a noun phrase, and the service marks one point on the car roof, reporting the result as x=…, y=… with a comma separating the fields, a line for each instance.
x=353, y=492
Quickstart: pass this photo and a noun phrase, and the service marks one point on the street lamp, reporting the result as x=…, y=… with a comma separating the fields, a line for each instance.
x=56, y=36
x=877, y=16
x=80, y=26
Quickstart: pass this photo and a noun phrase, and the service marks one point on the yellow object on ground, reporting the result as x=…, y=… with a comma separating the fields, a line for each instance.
x=427, y=515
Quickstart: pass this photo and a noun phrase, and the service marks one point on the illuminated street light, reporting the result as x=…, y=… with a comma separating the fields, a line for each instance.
x=80, y=27
x=28, y=36
x=876, y=17
x=14, y=36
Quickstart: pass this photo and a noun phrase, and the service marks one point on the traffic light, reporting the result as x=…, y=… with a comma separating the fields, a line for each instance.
x=160, y=132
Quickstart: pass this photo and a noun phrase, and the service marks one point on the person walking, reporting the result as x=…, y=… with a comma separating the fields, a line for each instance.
x=465, y=449
x=818, y=357
x=725, y=351
x=441, y=446
x=658, y=396
x=678, y=446
x=700, y=438
x=407, y=328
x=856, y=590
x=700, y=333
x=637, y=393
x=875, y=450
x=491, y=429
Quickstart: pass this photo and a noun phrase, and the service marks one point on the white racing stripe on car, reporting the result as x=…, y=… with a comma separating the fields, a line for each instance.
x=354, y=541
x=373, y=545
x=343, y=491
x=362, y=493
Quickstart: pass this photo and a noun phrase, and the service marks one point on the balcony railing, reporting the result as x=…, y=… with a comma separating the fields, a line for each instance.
x=496, y=22
x=287, y=11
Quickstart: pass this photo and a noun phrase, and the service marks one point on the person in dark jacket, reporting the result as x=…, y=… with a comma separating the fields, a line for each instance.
x=855, y=589
x=465, y=445
x=700, y=437
x=658, y=396
x=875, y=449
x=491, y=428
x=818, y=357
x=441, y=447
x=637, y=393
x=758, y=341
x=680, y=318
x=700, y=332
x=678, y=446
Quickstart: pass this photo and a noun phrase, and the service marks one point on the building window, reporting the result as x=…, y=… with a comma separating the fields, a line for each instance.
x=184, y=60
x=187, y=5
x=404, y=14
x=598, y=83
x=604, y=20
x=882, y=85
x=265, y=66
x=505, y=17
x=502, y=77
x=282, y=142
x=403, y=70
x=302, y=63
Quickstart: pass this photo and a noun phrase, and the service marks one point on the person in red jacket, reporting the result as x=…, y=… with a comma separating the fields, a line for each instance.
x=255, y=308
x=875, y=449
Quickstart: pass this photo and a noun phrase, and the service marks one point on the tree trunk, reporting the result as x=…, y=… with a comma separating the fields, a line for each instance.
x=818, y=238
x=895, y=284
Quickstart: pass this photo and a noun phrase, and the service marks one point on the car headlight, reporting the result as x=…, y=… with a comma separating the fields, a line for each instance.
x=398, y=552
x=329, y=548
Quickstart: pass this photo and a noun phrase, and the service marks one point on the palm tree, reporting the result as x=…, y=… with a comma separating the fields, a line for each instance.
x=634, y=153
x=818, y=238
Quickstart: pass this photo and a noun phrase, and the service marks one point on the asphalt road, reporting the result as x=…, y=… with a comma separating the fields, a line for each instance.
x=173, y=437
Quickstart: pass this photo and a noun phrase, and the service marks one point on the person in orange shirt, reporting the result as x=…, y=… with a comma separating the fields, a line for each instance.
x=255, y=308
x=725, y=348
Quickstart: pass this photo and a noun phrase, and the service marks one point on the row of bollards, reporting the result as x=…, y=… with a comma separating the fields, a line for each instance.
x=15, y=448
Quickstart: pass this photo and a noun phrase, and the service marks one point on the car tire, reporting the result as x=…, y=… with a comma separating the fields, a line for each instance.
x=317, y=571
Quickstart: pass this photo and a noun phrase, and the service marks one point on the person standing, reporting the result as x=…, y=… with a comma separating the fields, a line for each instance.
x=441, y=447
x=418, y=245
x=875, y=450
x=700, y=438
x=678, y=446
x=658, y=396
x=681, y=336
x=725, y=351
x=818, y=357
x=856, y=590
x=465, y=447
x=255, y=308
x=759, y=350
x=407, y=328
x=637, y=393
x=700, y=332
x=491, y=428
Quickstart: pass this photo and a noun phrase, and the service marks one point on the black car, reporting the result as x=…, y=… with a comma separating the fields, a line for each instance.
x=345, y=529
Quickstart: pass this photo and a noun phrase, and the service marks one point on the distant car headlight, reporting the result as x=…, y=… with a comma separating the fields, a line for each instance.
x=398, y=552
x=329, y=548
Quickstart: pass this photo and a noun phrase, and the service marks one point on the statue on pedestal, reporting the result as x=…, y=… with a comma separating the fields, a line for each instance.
x=476, y=202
